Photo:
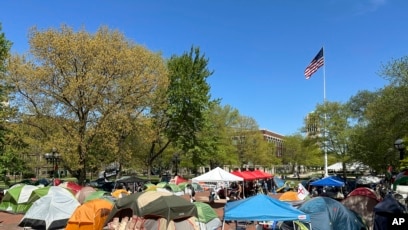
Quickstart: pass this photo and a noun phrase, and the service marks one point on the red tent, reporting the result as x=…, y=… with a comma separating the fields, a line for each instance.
x=250, y=175
x=242, y=175
x=262, y=175
x=178, y=179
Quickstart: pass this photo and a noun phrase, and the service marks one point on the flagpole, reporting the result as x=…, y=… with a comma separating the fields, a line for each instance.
x=326, y=172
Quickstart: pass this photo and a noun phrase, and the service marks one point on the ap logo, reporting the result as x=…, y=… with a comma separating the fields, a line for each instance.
x=398, y=222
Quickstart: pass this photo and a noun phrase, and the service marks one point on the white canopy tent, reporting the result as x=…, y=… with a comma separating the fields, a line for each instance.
x=217, y=175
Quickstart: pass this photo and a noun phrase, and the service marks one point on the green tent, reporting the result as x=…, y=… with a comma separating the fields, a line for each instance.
x=205, y=212
x=161, y=184
x=16, y=199
x=172, y=188
x=97, y=195
x=38, y=193
x=197, y=187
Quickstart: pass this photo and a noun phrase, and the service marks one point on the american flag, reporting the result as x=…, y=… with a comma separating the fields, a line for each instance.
x=315, y=64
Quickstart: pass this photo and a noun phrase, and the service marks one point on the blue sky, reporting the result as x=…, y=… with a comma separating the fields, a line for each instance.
x=257, y=49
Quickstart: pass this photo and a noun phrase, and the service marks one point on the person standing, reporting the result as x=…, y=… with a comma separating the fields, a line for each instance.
x=239, y=191
x=191, y=192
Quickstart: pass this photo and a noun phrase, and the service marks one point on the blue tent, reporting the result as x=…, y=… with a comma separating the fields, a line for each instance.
x=262, y=208
x=329, y=214
x=328, y=181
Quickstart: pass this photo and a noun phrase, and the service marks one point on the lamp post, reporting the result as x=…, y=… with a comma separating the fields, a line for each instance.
x=399, y=144
x=176, y=161
x=53, y=158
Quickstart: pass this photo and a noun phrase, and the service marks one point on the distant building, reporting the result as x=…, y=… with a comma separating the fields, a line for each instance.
x=312, y=125
x=275, y=138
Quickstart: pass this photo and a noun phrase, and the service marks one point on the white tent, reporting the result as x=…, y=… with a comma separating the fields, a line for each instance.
x=51, y=211
x=356, y=166
x=217, y=175
x=336, y=167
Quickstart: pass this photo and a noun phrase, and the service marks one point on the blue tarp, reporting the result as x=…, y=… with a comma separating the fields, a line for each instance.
x=329, y=214
x=262, y=208
x=328, y=181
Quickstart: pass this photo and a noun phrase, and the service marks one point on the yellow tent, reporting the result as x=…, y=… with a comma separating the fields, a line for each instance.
x=118, y=193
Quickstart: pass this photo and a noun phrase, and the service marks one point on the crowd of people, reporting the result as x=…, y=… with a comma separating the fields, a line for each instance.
x=240, y=190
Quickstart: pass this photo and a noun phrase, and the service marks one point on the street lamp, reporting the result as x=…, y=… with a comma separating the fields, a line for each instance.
x=176, y=161
x=399, y=144
x=53, y=158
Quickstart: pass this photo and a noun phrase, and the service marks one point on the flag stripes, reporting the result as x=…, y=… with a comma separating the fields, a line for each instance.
x=315, y=64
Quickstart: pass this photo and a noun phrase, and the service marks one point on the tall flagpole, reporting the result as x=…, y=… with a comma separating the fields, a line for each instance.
x=314, y=65
x=326, y=172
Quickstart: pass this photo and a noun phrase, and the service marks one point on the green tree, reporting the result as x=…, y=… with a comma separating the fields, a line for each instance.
x=383, y=113
x=8, y=161
x=333, y=129
x=178, y=117
x=80, y=82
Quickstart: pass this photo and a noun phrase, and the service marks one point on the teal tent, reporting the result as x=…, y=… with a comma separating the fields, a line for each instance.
x=329, y=214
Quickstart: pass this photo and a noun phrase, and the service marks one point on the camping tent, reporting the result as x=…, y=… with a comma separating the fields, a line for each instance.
x=363, y=200
x=328, y=181
x=51, y=211
x=16, y=199
x=90, y=215
x=177, y=180
x=289, y=196
x=100, y=194
x=131, y=183
x=207, y=217
x=329, y=214
x=83, y=193
x=364, y=191
x=262, y=208
x=72, y=186
x=386, y=210
x=153, y=203
x=154, y=223
x=217, y=175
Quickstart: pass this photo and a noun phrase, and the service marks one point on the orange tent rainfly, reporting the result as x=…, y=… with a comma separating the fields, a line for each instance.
x=90, y=216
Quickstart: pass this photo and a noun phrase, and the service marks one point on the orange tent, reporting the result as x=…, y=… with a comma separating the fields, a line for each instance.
x=289, y=196
x=90, y=216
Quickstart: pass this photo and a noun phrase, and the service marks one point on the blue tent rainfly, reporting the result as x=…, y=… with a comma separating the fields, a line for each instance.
x=262, y=208
x=328, y=181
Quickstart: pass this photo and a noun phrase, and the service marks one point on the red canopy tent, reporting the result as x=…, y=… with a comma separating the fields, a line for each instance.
x=250, y=175
x=261, y=174
x=242, y=175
